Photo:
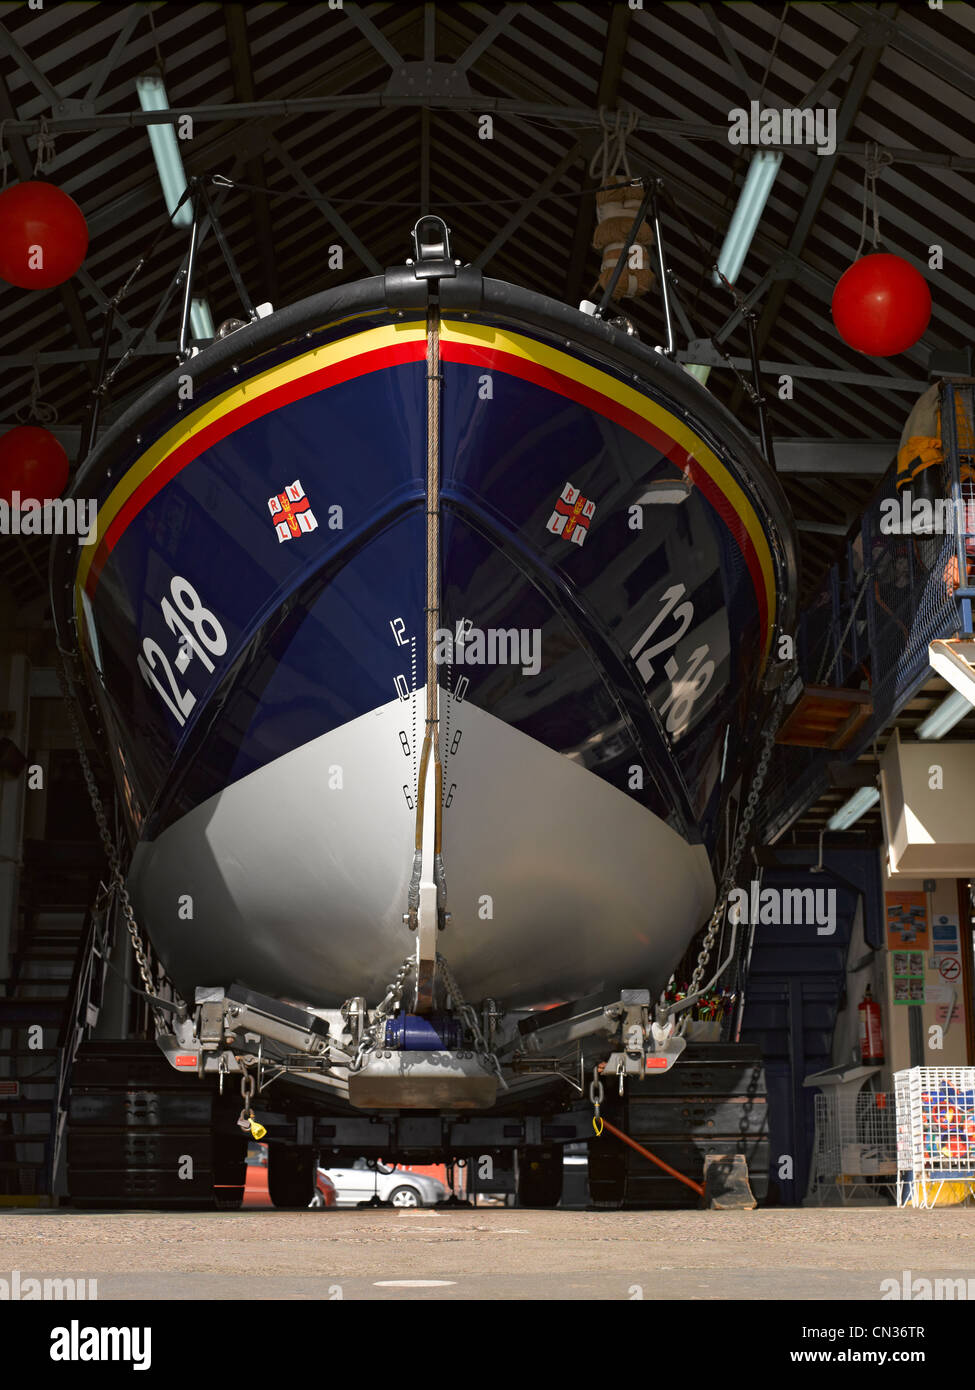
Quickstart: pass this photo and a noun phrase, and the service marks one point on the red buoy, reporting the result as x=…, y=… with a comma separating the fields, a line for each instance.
x=43, y=235
x=33, y=464
x=881, y=305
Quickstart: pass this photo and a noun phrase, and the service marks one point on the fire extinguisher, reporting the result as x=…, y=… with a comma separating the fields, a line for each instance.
x=871, y=1031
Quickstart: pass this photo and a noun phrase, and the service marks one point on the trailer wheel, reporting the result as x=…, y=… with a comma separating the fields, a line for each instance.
x=713, y=1102
x=291, y=1174
x=228, y=1148
x=607, y=1174
x=540, y=1177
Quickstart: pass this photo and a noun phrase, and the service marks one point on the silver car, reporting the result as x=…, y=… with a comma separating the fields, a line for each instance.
x=399, y=1186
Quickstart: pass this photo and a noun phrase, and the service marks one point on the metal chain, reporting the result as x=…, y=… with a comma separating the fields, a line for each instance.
x=465, y=1010
x=394, y=992
x=246, y=1120
x=737, y=849
x=746, y=386
x=117, y=879
x=247, y=1089
x=596, y=1095
x=374, y=1035
x=469, y=1015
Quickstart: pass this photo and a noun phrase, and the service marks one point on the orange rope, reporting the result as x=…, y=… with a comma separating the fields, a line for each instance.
x=688, y=1182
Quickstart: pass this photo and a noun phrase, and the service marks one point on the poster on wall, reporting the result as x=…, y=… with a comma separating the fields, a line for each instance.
x=909, y=963
x=907, y=922
x=908, y=970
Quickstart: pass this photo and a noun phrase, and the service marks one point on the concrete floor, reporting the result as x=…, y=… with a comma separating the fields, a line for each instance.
x=492, y=1253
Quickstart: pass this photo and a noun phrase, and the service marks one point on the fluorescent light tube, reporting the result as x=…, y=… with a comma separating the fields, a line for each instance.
x=165, y=148
x=858, y=805
x=201, y=319
x=950, y=712
x=748, y=213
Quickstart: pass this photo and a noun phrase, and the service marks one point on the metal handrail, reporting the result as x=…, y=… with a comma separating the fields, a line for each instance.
x=76, y=1017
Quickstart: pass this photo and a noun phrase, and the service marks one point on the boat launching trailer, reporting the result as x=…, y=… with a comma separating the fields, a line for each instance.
x=487, y=1093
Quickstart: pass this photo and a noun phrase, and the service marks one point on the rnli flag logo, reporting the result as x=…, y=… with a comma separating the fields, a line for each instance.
x=291, y=512
x=572, y=516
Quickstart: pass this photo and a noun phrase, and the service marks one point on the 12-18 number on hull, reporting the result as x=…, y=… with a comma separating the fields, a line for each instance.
x=200, y=636
x=696, y=677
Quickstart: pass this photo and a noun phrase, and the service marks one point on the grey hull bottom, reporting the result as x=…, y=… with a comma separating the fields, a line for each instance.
x=294, y=879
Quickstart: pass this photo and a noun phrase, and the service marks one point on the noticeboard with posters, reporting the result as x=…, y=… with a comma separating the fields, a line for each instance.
x=907, y=921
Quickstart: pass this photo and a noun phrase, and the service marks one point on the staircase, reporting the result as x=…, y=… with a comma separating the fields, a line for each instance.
x=796, y=981
x=47, y=1002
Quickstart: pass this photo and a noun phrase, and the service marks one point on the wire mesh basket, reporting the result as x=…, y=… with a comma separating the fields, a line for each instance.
x=855, y=1157
x=935, y=1135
